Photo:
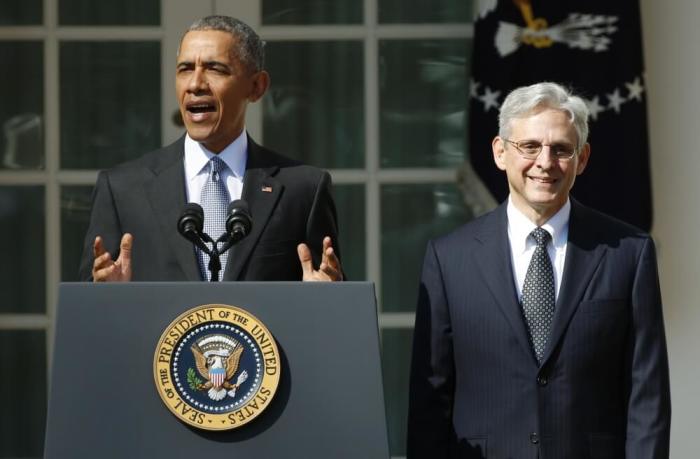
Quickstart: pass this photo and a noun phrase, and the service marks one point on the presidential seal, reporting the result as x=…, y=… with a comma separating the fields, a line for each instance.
x=216, y=367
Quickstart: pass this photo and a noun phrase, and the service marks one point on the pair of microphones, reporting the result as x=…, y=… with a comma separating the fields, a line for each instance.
x=191, y=226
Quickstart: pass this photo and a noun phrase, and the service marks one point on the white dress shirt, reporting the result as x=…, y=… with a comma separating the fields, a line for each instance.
x=197, y=157
x=522, y=246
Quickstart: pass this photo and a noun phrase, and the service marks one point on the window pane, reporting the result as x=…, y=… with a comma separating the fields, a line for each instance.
x=314, y=110
x=22, y=265
x=22, y=393
x=420, y=11
x=76, y=202
x=396, y=362
x=21, y=12
x=22, y=106
x=350, y=202
x=412, y=215
x=291, y=12
x=423, y=102
x=123, y=12
x=110, y=102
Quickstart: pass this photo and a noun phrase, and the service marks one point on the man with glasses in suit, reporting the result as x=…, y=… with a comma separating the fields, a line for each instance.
x=539, y=330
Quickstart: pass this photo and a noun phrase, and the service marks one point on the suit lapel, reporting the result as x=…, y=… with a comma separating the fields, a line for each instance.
x=493, y=257
x=583, y=255
x=261, y=190
x=166, y=192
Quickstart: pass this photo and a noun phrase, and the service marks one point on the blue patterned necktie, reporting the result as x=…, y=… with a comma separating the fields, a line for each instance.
x=538, y=294
x=215, y=199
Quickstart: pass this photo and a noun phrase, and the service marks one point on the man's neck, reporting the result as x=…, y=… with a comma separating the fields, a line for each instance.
x=537, y=215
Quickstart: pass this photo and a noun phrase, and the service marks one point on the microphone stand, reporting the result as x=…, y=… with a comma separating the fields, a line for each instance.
x=190, y=226
x=214, y=259
x=215, y=252
x=199, y=239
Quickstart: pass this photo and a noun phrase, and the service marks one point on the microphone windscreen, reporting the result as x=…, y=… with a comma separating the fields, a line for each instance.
x=238, y=205
x=238, y=218
x=192, y=215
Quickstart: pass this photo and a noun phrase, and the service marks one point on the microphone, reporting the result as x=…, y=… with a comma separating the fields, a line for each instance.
x=238, y=221
x=191, y=224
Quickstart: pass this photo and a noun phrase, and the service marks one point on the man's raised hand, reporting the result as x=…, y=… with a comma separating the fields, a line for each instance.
x=104, y=269
x=329, y=270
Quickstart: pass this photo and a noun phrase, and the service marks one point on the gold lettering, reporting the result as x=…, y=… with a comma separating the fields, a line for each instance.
x=164, y=379
x=201, y=315
x=164, y=354
x=270, y=362
x=260, y=336
x=240, y=319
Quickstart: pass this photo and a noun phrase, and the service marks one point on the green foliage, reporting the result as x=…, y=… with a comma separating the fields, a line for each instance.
x=193, y=381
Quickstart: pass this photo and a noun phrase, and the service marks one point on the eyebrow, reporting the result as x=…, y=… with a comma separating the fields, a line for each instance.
x=207, y=64
x=556, y=142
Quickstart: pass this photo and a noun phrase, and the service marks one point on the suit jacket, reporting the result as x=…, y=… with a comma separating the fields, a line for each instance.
x=602, y=391
x=289, y=203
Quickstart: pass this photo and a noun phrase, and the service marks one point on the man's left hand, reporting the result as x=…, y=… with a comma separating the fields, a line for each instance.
x=328, y=271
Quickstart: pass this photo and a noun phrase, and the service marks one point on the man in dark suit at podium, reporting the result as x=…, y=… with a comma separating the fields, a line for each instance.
x=133, y=227
x=539, y=329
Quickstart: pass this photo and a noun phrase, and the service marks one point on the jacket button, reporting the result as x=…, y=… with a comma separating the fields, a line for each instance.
x=542, y=381
x=534, y=438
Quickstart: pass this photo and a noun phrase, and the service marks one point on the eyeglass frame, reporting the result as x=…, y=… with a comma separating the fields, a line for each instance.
x=554, y=153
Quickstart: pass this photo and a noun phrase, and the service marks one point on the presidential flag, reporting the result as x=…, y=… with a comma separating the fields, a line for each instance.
x=593, y=47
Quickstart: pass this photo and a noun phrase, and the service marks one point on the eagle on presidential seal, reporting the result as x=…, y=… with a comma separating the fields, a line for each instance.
x=216, y=358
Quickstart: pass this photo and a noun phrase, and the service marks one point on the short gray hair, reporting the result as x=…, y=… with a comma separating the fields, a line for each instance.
x=250, y=49
x=525, y=100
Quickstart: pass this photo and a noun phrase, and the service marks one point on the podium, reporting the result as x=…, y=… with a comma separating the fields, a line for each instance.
x=103, y=401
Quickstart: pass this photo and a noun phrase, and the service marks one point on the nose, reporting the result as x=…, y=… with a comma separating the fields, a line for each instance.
x=545, y=160
x=198, y=82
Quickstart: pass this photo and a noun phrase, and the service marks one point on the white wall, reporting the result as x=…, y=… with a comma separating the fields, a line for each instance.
x=672, y=53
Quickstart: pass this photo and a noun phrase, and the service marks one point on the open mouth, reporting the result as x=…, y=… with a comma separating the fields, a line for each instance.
x=200, y=108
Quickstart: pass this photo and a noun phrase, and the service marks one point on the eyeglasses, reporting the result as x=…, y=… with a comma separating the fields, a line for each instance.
x=531, y=149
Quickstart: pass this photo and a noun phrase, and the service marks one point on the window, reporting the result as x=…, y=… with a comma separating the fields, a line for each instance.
x=376, y=92
x=81, y=91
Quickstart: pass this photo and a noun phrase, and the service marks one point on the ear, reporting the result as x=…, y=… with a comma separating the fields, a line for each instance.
x=261, y=81
x=583, y=156
x=498, y=146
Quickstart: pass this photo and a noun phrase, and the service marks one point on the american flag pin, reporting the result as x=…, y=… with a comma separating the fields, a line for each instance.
x=267, y=189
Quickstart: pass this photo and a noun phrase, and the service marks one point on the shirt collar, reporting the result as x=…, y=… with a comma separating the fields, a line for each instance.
x=520, y=227
x=234, y=155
